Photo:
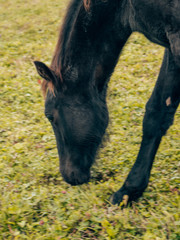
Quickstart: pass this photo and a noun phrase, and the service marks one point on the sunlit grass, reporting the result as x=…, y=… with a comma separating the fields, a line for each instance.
x=35, y=202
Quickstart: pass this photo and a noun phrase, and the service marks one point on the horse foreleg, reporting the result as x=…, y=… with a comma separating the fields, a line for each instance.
x=160, y=110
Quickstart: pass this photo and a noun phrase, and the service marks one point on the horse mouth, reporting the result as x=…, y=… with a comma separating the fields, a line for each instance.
x=76, y=177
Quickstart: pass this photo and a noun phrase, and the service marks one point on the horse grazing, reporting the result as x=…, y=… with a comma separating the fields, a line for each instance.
x=90, y=42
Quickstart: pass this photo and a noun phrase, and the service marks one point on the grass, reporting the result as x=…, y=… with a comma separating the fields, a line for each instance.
x=35, y=202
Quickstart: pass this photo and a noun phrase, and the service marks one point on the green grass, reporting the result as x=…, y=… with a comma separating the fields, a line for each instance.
x=35, y=203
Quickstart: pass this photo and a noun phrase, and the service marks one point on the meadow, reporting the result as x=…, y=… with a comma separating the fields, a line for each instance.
x=35, y=202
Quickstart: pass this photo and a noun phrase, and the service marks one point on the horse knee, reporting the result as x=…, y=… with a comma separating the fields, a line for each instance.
x=157, y=121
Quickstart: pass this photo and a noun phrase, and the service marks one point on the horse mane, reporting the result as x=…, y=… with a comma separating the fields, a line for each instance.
x=62, y=43
x=64, y=36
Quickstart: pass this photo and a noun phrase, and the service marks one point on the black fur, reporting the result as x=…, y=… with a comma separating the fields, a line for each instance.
x=87, y=51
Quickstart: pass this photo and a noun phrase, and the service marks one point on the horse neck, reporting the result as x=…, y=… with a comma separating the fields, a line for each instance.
x=93, y=46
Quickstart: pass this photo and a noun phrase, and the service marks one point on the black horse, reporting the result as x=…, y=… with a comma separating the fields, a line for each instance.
x=92, y=37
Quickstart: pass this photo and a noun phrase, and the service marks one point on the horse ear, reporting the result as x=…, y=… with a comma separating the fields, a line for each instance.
x=45, y=72
x=87, y=5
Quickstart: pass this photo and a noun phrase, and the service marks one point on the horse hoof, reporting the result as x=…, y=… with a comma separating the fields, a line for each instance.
x=118, y=198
